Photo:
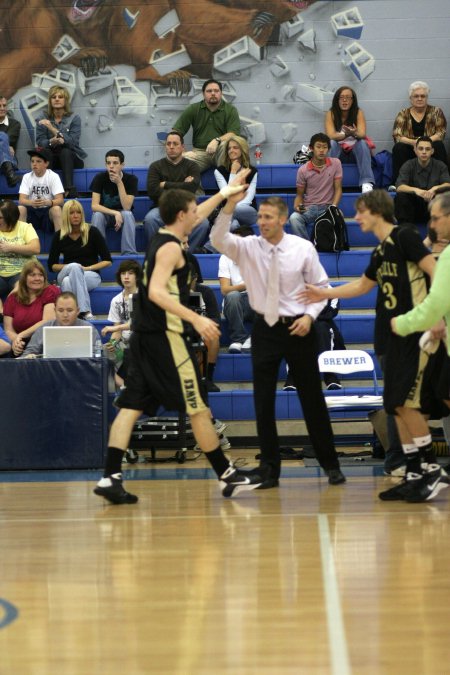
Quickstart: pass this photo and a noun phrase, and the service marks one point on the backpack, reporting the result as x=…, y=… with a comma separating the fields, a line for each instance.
x=330, y=231
x=382, y=168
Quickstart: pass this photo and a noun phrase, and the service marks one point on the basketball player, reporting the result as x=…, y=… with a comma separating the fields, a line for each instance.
x=437, y=302
x=163, y=367
x=398, y=265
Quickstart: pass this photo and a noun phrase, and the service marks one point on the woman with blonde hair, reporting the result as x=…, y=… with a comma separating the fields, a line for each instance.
x=59, y=130
x=84, y=252
x=29, y=306
x=234, y=156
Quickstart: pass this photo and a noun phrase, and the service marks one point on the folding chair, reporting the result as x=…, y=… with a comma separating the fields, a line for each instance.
x=348, y=361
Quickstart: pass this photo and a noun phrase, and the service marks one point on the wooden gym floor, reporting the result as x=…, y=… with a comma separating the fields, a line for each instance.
x=303, y=579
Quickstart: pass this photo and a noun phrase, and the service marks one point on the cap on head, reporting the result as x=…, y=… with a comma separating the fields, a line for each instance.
x=43, y=153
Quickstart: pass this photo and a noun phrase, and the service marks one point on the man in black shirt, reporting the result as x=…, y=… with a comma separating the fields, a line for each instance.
x=163, y=368
x=417, y=183
x=113, y=193
x=167, y=173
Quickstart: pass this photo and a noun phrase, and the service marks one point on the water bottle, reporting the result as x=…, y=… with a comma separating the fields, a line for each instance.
x=98, y=348
x=258, y=154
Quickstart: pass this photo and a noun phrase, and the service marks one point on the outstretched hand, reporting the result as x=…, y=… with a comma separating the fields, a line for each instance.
x=234, y=191
x=206, y=328
x=311, y=294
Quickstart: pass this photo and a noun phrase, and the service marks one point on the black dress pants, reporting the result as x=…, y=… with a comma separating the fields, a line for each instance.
x=269, y=346
x=409, y=208
x=66, y=160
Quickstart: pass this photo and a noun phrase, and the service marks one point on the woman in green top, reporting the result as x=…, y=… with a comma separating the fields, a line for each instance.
x=18, y=244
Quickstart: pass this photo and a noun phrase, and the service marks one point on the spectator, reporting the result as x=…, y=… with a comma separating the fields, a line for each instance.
x=30, y=306
x=84, y=253
x=5, y=343
x=41, y=194
x=417, y=183
x=236, y=305
x=173, y=171
x=9, y=135
x=18, y=243
x=66, y=314
x=234, y=156
x=59, y=130
x=113, y=193
x=213, y=121
x=328, y=337
x=420, y=119
x=345, y=124
x=319, y=184
x=129, y=275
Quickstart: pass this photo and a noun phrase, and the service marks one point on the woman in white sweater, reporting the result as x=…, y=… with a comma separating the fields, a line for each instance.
x=234, y=156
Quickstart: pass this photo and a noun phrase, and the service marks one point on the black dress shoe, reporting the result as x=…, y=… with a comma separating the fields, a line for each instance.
x=71, y=193
x=211, y=386
x=335, y=476
x=268, y=483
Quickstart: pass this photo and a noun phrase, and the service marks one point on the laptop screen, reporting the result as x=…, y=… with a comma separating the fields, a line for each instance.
x=62, y=342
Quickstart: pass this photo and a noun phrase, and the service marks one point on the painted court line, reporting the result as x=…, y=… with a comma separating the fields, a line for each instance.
x=336, y=630
x=8, y=613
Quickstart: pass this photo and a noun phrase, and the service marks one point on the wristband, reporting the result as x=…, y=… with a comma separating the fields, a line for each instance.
x=229, y=190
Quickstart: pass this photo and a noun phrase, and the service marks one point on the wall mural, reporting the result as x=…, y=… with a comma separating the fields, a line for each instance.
x=131, y=67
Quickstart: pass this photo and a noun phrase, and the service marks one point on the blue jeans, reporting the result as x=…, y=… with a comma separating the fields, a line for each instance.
x=244, y=214
x=197, y=238
x=5, y=154
x=73, y=278
x=363, y=158
x=236, y=309
x=299, y=221
x=128, y=241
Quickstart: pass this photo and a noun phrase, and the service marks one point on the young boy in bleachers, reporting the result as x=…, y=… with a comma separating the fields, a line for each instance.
x=129, y=274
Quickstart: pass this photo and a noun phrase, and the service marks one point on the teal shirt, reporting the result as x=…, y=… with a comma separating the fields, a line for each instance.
x=207, y=124
x=435, y=306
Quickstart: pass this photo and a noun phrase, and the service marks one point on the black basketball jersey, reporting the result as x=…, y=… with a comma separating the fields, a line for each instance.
x=149, y=317
x=402, y=284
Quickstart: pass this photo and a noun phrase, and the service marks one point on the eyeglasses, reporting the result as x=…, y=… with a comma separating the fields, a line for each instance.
x=434, y=219
x=345, y=98
x=419, y=96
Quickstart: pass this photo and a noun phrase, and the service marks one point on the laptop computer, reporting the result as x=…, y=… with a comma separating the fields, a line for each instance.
x=62, y=342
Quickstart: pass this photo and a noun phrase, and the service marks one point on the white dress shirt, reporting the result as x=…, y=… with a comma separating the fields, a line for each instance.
x=298, y=262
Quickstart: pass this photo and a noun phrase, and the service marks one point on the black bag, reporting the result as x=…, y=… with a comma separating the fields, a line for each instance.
x=330, y=231
x=301, y=157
